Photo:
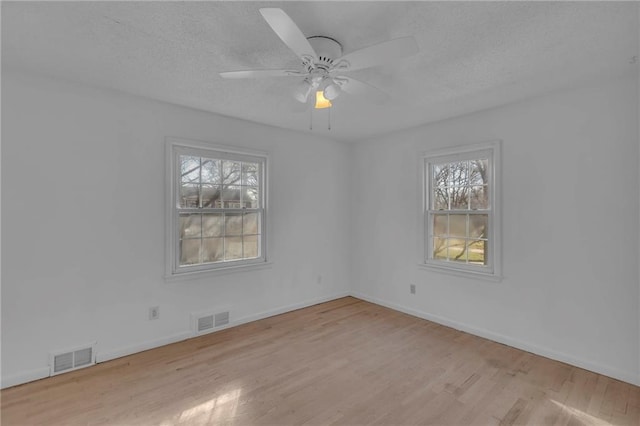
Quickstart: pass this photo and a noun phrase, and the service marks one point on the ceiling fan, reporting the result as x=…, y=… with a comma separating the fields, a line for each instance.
x=323, y=62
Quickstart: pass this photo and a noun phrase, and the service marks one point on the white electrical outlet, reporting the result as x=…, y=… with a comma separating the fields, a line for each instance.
x=412, y=288
x=154, y=312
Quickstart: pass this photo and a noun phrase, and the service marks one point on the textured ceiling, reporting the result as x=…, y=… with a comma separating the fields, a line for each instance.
x=473, y=55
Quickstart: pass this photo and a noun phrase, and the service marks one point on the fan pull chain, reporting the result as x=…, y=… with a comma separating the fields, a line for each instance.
x=328, y=119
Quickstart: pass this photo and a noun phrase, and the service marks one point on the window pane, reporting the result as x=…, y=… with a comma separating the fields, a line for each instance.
x=210, y=171
x=190, y=226
x=211, y=196
x=441, y=198
x=478, y=172
x=212, y=250
x=189, y=195
x=250, y=174
x=218, y=204
x=459, y=198
x=440, y=175
x=250, y=225
x=459, y=173
x=189, y=169
x=250, y=197
x=231, y=172
x=233, y=224
x=477, y=250
x=457, y=250
x=231, y=197
x=478, y=225
x=458, y=225
x=212, y=225
x=479, y=198
x=459, y=212
x=250, y=246
x=233, y=248
x=439, y=224
x=440, y=248
x=190, y=252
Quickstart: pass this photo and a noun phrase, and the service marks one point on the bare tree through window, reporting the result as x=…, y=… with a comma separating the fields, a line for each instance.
x=458, y=211
x=461, y=209
x=219, y=211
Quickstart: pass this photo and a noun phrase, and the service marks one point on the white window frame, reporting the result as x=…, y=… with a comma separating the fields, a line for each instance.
x=493, y=151
x=176, y=147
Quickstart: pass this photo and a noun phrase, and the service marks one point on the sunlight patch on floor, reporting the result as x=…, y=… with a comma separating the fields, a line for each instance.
x=211, y=411
x=581, y=416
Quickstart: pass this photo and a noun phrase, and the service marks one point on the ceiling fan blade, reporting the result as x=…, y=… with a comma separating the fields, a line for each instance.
x=260, y=74
x=288, y=32
x=365, y=90
x=381, y=53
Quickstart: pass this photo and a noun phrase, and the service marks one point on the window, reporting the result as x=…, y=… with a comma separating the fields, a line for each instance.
x=217, y=217
x=460, y=209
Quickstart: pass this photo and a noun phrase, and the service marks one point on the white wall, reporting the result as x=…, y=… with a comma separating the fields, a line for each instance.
x=570, y=228
x=83, y=223
x=83, y=217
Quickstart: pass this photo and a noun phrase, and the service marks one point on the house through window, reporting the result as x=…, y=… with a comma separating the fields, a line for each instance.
x=218, y=209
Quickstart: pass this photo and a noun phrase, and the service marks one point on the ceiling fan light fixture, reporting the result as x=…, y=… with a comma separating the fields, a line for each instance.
x=302, y=91
x=332, y=91
x=321, y=101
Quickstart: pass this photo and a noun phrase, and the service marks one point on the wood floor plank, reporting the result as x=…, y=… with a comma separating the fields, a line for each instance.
x=344, y=362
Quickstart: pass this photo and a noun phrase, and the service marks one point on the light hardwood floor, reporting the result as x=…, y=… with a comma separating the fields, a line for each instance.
x=342, y=362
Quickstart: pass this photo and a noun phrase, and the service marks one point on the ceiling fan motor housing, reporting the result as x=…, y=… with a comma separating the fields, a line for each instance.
x=327, y=50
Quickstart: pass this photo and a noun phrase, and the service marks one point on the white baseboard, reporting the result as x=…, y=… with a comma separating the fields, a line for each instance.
x=184, y=335
x=41, y=373
x=625, y=376
x=24, y=377
x=143, y=346
x=284, y=309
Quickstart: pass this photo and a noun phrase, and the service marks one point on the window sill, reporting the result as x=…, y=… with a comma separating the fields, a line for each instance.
x=223, y=270
x=460, y=273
